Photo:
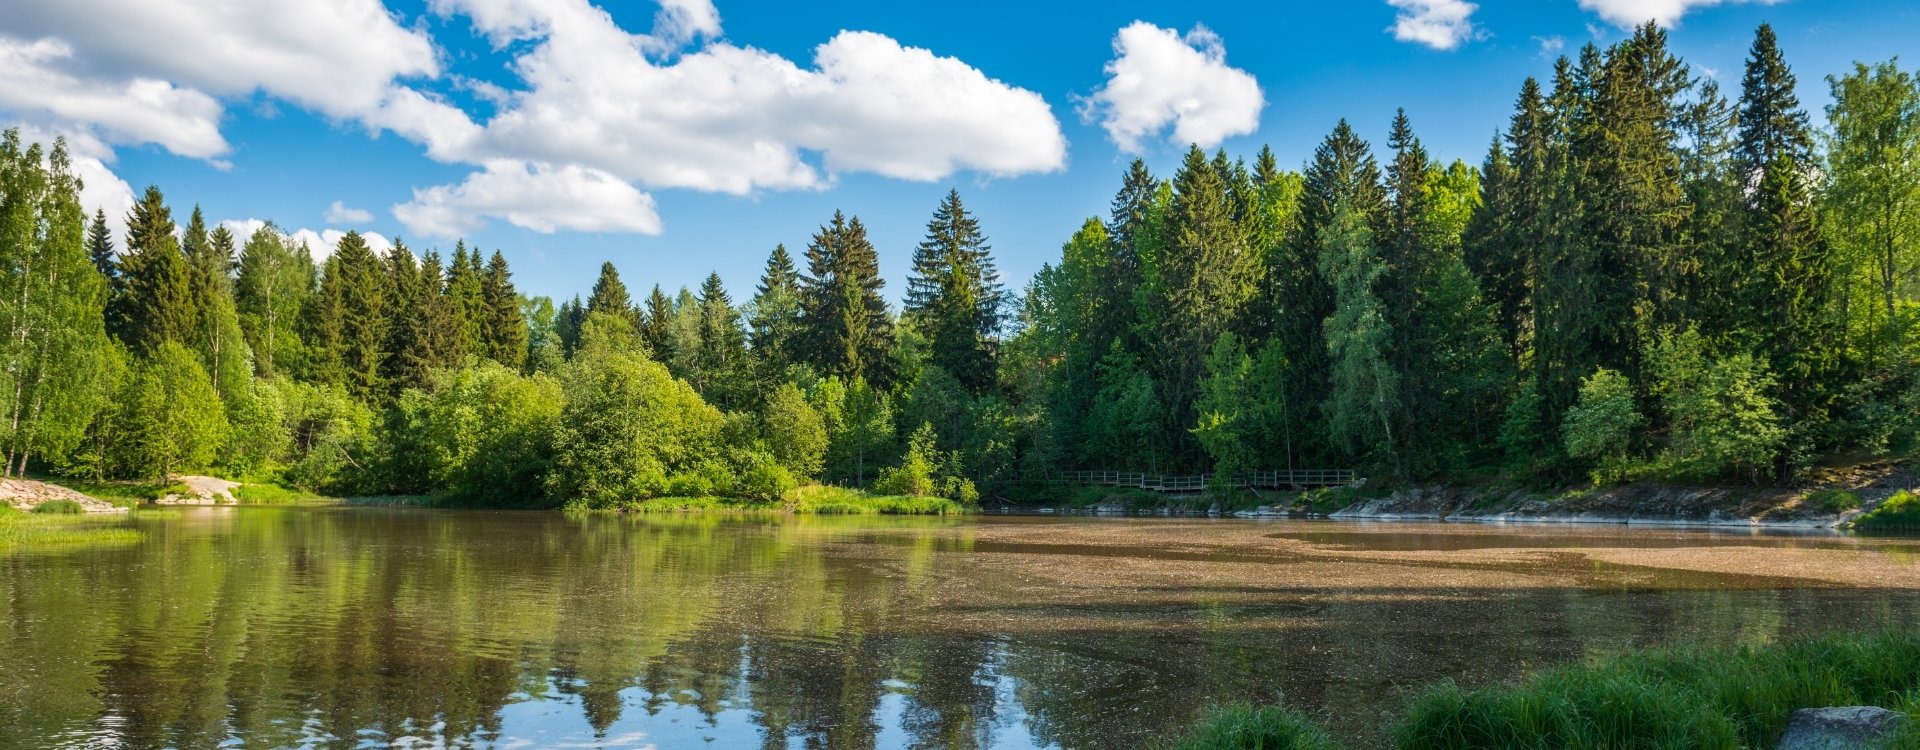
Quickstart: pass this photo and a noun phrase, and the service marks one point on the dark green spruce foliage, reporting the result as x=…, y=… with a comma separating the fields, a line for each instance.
x=154, y=299
x=954, y=296
x=846, y=329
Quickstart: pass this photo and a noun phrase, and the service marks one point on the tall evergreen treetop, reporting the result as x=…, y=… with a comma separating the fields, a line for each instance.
x=954, y=295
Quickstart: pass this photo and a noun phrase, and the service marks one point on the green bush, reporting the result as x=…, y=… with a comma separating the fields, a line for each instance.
x=1247, y=728
x=62, y=507
x=1832, y=501
x=1902, y=511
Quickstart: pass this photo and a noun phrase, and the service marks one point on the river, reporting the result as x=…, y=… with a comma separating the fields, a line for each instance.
x=362, y=627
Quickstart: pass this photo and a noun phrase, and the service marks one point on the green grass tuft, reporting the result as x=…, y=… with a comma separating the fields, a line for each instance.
x=20, y=531
x=60, y=507
x=1244, y=727
x=264, y=493
x=818, y=500
x=1900, y=512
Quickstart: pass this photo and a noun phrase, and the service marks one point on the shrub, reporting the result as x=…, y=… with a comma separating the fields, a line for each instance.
x=1902, y=511
x=61, y=507
x=1600, y=427
x=1832, y=501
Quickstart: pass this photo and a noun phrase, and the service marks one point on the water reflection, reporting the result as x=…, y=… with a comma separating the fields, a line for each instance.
x=262, y=627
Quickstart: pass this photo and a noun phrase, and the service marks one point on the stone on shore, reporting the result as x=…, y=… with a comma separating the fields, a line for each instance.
x=1841, y=728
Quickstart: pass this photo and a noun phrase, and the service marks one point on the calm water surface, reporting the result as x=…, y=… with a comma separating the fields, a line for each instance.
x=349, y=628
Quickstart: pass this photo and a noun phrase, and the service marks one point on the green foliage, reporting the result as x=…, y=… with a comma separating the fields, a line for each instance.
x=170, y=417
x=60, y=506
x=1832, y=501
x=1722, y=421
x=794, y=431
x=1364, y=388
x=1600, y=426
x=1900, y=512
x=626, y=427
x=1244, y=727
x=954, y=295
x=482, y=435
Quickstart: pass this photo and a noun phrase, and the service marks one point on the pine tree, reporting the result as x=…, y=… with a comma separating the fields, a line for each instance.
x=846, y=329
x=1207, y=276
x=954, y=295
x=609, y=293
x=351, y=319
x=1788, y=265
x=723, y=349
x=774, y=314
x=506, y=327
x=100, y=246
x=155, y=304
x=656, y=325
x=410, y=357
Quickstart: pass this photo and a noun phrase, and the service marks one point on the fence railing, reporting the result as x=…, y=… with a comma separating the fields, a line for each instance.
x=1279, y=479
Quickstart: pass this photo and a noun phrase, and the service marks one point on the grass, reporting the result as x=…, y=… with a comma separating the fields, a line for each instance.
x=1832, y=501
x=817, y=499
x=39, y=530
x=60, y=507
x=1244, y=727
x=1689, y=697
x=265, y=493
x=1900, y=512
x=122, y=493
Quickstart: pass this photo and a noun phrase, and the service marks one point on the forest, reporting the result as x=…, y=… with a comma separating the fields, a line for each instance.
x=1644, y=278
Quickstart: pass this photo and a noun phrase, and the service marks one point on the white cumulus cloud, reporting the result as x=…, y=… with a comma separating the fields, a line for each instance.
x=1440, y=24
x=1627, y=14
x=341, y=213
x=320, y=243
x=1159, y=78
x=532, y=196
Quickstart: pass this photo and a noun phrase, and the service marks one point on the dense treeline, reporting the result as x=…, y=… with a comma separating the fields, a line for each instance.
x=1643, y=277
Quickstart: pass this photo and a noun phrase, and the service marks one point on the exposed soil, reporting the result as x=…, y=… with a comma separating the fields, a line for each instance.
x=202, y=491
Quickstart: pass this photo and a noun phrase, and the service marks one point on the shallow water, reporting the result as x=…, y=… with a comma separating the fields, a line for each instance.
x=339, y=627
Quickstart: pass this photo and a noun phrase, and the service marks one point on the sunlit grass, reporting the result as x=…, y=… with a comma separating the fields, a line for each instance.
x=20, y=530
x=1679, y=698
x=817, y=500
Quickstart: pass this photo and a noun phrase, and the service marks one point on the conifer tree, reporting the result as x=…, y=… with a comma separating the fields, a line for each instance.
x=156, y=302
x=609, y=293
x=100, y=246
x=846, y=328
x=506, y=327
x=469, y=304
x=1207, y=276
x=722, y=348
x=410, y=357
x=219, y=339
x=567, y=324
x=954, y=295
x=656, y=325
x=351, y=320
x=1364, y=388
x=774, y=314
x=1788, y=268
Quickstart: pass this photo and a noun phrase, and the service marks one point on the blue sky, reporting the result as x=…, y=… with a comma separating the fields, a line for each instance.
x=691, y=138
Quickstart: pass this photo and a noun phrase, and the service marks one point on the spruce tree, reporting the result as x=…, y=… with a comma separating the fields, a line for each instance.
x=409, y=360
x=440, y=329
x=609, y=293
x=155, y=303
x=1788, y=267
x=506, y=326
x=954, y=295
x=355, y=291
x=846, y=328
x=774, y=315
x=656, y=325
x=100, y=246
x=1207, y=276
x=722, y=351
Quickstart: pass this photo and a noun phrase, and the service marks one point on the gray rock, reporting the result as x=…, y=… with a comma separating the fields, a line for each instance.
x=1841, y=728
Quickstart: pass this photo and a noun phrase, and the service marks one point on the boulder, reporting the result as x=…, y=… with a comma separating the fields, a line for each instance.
x=1841, y=728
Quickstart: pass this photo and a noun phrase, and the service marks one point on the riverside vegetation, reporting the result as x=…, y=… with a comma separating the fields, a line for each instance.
x=1674, y=698
x=1645, y=278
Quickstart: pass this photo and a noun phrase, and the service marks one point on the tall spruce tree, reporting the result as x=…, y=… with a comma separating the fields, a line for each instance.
x=845, y=326
x=353, y=318
x=100, y=246
x=774, y=315
x=610, y=293
x=723, y=349
x=155, y=303
x=656, y=324
x=1788, y=265
x=954, y=295
x=1207, y=276
x=410, y=358
x=506, y=326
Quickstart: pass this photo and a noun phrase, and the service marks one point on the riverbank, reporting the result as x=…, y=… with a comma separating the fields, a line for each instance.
x=1690, y=697
x=64, y=524
x=822, y=500
x=1877, y=500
